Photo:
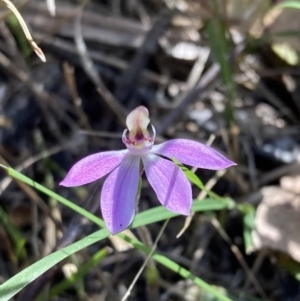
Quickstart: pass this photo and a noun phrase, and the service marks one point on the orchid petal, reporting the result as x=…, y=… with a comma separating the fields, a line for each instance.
x=93, y=167
x=170, y=184
x=119, y=194
x=192, y=153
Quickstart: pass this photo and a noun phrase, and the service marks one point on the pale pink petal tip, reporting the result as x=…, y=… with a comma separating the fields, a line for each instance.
x=193, y=153
x=93, y=167
x=119, y=192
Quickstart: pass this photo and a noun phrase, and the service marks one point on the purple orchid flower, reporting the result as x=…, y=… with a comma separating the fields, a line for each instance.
x=120, y=189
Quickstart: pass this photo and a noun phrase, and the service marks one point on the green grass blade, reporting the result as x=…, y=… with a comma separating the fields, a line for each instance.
x=194, y=179
x=18, y=240
x=18, y=33
x=19, y=176
x=248, y=222
x=289, y=4
x=220, y=47
x=159, y=213
x=12, y=286
x=184, y=273
x=82, y=271
x=290, y=265
x=19, y=281
x=173, y=266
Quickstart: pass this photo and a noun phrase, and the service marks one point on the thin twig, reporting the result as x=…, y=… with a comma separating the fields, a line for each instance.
x=108, y=60
x=75, y=228
x=251, y=163
x=239, y=256
x=203, y=193
x=128, y=81
x=210, y=184
x=101, y=134
x=6, y=14
x=207, y=79
x=205, y=82
x=277, y=173
x=44, y=99
x=33, y=159
x=32, y=195
x=71, y=83
x=262, y=254
x=128, y=292
x=12, y=44
x=277, y=102
x=88, y=66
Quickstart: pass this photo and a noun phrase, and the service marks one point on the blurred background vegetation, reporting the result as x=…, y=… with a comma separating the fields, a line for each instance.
x=224, y=72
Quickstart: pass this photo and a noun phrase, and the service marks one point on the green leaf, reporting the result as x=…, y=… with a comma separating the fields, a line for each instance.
x=159, y=213
x=18, y=33
x=248, y=220
x=82, y=271
x=19, y=281
x=286, y=53
x=173, y=266
x=292, y=266
x=12, y=286
x=219, y=43
x=289, y=4
x=13, y=232
x=196, y=181
x=17, y=175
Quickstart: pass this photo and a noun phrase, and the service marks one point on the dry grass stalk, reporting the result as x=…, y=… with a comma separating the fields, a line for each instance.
x=28, y=36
